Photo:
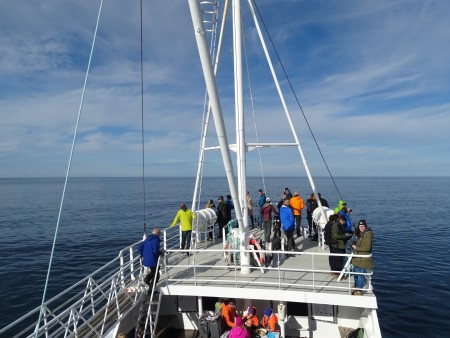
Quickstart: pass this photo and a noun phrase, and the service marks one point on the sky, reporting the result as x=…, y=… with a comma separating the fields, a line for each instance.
x=372, y=78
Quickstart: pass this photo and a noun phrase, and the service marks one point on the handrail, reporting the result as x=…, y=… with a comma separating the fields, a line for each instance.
x=312, y=283
x=74, y=308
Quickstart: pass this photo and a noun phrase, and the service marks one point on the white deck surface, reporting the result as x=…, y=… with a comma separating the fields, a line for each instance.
x=303, y=278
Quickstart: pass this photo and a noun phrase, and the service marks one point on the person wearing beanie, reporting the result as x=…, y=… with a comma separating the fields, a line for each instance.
x=270, y=320
x=238, y=331
x=250, y=319
x=362, y=246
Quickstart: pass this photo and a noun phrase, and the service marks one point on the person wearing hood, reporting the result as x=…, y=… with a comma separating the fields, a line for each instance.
x=342, y=209
x=362, y=246
x=250, y=319
x=238, y=331
x=266, y=211
x=270, y=320
x=184, y=216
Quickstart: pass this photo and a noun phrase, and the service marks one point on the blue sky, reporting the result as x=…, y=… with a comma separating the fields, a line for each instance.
x=373, y=78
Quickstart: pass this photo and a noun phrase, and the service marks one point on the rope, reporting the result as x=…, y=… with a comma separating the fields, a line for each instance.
x=142, y=125
x=41, y=312
x=253, y=109
x=296, y=99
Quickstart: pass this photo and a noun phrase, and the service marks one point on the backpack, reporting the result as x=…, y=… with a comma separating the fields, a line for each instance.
x=276, y=243
x=327, y=234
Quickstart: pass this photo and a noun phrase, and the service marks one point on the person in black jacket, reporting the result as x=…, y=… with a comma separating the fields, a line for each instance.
x=222, y=214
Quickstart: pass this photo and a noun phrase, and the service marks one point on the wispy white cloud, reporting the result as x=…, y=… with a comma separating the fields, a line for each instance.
x=372, y=77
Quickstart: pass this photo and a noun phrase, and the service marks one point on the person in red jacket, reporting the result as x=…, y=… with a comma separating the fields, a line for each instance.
x=266, y=211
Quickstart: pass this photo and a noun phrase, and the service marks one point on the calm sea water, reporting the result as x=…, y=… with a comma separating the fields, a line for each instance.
x=102, y=215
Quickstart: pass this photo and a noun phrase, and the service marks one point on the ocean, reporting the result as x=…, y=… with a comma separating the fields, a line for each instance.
x=102, y=215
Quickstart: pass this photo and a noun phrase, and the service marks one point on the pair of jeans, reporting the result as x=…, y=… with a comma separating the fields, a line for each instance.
x=260, y=218
x=360, y=280
x=267, y=225
x=336, y=262
x=186, y=239
x=150, y=274
x=298, y=222
x=310, y=223
x=290, y=239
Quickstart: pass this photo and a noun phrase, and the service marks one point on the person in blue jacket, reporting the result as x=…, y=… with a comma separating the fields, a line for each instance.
x=342, y=209
x=288, y=224
x=262, y=200
x=149, y=250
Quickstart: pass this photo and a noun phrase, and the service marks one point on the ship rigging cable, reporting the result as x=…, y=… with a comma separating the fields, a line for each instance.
x=41, y=312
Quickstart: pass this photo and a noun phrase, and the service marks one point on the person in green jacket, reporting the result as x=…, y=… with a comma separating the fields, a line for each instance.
x=362, y=246
x=339, y=238
x=184, y=216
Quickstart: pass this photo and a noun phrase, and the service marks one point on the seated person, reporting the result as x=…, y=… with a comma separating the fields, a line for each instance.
x=270, y=320
x=250, y=319
x=238, y=331
x=229, y=313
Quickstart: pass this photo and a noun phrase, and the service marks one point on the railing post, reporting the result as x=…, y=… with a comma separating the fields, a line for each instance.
x=132, y=264
x=122, y=278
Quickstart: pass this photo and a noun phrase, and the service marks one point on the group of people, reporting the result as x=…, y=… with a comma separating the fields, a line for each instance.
x=290, y=214
x=223, y=211
x=344, y=239
x=244, y=326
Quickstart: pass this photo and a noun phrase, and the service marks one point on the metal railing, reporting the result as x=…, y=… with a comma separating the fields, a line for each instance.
x=93, y=305
x=89, y=307
x=199, y=271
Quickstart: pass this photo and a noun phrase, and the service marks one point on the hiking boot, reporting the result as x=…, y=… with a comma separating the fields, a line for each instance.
x=357, y=293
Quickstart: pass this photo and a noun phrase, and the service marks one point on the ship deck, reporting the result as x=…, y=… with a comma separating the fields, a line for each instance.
x=304, y=277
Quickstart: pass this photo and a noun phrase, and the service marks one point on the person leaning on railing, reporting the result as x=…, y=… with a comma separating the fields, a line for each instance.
x=362, y=246
x=185, y=217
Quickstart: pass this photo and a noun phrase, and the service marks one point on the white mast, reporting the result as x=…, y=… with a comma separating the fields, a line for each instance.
x=240, y=134
x=208, y=72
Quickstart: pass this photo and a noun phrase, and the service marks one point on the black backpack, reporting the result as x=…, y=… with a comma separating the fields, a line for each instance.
x=276, y=243
x=327, y=234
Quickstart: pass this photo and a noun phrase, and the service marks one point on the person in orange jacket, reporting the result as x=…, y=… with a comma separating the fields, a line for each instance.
x=270, y=320
x=229, y=313
x=296, y=203
x=250, y=319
